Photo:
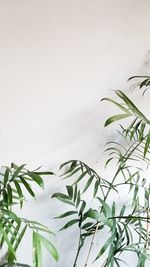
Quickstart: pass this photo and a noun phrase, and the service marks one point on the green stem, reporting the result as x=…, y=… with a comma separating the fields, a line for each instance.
x=78, y=250
x=129, y=217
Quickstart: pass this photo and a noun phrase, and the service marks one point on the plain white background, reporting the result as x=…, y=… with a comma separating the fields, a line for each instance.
x=58, y=58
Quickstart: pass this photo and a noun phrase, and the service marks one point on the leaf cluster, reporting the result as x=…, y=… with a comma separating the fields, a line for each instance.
x=15, y=183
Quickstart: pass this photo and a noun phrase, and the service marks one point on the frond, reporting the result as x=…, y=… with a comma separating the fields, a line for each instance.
x=138, y=130
x=81, y=172
x=15, y=182
x=143, y=84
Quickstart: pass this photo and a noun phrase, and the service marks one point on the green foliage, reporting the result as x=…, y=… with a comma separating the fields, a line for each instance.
x=15, y=184
x=88, y=196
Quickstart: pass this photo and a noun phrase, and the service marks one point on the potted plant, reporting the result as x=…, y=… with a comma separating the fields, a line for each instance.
x=15, y=182
x=126, y=226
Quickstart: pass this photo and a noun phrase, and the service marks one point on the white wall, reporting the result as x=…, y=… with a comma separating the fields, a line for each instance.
x=58, y=58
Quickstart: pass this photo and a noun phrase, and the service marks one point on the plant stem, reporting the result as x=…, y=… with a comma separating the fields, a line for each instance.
x=91, y=245
x=130, y=217
x=78, y=250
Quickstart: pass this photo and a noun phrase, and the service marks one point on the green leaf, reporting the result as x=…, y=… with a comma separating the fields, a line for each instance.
x=5, y=197
x=6, y=176
x=106, y=208
x=78, y=199
x=27, y=186
x=60, y=195
x=138, y=76
x=37, y=178
x=49, y=246
x=11, y=215
x=113, y=209
x=93, y=214
x=38, y=226
x=70, y=191
x=82, y=207
x=44, y=173
x=80, y=177
x=20, y=194
x=147, y=144
x=132, y=107
x=122, y=211
x=63, y=198
x=69, y=173
x=75, y=194
x=87, y=225
x=96, y=186
x=108, y=161
x=104, y=247
x=37, y=251
x=127, y=234
x=9, y=194
x=66, y=214
x=117, y=104
x=11, y=233
x=14, y=239
x=17, y=171
x=88, y=183
x=116, y=118
x=21, y=235
x=73, y=164
x=6, y=239
x=69, y=224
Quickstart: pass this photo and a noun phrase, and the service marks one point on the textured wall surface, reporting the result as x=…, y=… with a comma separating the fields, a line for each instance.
x=58, y=58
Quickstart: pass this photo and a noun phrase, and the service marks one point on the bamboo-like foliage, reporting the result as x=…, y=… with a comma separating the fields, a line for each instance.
x=127, y=226
x=15, y=185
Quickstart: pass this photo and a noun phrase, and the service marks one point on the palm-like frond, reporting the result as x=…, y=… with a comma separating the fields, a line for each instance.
x=15, y=182
x=81, y=172
x=128, y=107
x=139, y=129
x=126, y=149
x=143, y=83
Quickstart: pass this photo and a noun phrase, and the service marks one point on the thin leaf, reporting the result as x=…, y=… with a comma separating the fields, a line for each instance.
x=6, y=176
x=27, y=186
x=70, y=191
x=49, y=246
x=20, y=194
x=37, y=252
x=104, y=247
x=88, y=183
x=69, y=224
x=17, y=171
x=37, y=178
x=116, y=118
x=66, y=214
